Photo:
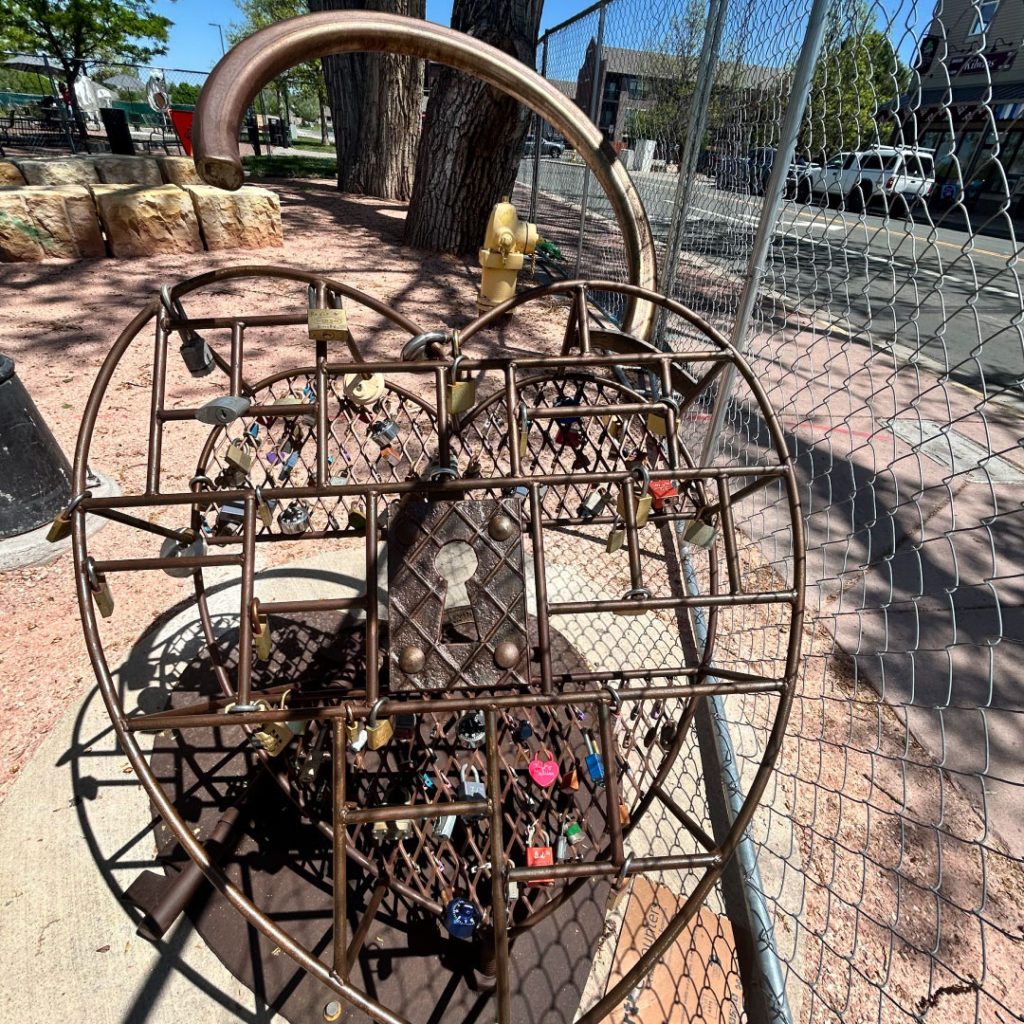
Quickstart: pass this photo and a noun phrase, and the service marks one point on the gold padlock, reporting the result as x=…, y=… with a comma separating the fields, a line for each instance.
x=615, y=540
x=378, y=733
x=261, y=635
x=524, y=431
x=238, y=457
x=273, y=737
x=327, y=324
x=461, y=393
x=60, y=528
x=100, y=589
x=613, y=424
x=641, y=501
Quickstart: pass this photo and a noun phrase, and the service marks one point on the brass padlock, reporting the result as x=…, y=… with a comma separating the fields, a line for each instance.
x=261, y=635
x=641, y=501
x=613, y=424
x=264, y=509
x=273, y=737
x=237, y=456
x=355, y=731
x=524, y=431
x=327, y=324
x=357, y=517
x=615, y=540
x=699, y=533
x=378, y=733
x=461, y=393
x=61, y=526
x=100, y=589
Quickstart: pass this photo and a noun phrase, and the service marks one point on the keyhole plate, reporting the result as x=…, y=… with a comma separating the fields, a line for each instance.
x=444, y=556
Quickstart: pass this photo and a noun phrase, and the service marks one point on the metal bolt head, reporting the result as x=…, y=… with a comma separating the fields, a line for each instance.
x=411, y=659
x=506, y=654
x=501, y=527
x=332, y=1011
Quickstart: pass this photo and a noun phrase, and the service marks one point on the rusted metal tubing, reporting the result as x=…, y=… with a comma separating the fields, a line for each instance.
x=190, y=562
x=372, y=608
x=281, y=411
x=204, y=719
x=240, y=75
x=499, y=922
x=366, y=922
x=654, y=603
x=339, y=858
x=155, y=444
x=691, y=826
x=611, y=784
x=147, y=527
x=541, y=588
x=395, y=812
x=319, y=604
x=638, y=866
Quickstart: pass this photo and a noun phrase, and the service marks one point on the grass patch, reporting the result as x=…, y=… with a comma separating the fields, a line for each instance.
x=290, y=166
x=299, y=143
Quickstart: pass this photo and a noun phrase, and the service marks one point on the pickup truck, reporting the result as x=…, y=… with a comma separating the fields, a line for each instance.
x=897, y=176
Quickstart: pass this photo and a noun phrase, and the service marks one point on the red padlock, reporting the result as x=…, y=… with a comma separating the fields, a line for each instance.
x=662, y=492
x=569, y=437
x=539, y=856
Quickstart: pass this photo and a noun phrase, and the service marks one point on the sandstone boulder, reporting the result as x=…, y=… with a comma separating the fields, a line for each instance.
x=128, y=170
x=179, y=170
x=10, y=173
x=66, y=219
x=69, y=170
x=140, y=220
x=247, y=219
x=19, y=237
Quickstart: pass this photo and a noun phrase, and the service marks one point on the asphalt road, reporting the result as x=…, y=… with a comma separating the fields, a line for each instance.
x=951, y=300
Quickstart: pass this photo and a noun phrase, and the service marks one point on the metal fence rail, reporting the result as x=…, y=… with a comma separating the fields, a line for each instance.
x=885, y=324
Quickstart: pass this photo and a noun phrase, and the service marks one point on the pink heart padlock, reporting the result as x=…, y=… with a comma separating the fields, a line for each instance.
x=544, y=773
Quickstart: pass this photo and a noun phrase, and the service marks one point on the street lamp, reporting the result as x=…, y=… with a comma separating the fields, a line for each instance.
x=220, y=29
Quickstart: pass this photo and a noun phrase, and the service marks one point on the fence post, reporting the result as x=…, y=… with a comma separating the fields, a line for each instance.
x=699, y=103
x=770, y=209
x=538, y=127
x=596, y=88
x=65, y=119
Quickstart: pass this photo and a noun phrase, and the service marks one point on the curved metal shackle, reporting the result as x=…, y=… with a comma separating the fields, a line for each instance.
x=248, y=66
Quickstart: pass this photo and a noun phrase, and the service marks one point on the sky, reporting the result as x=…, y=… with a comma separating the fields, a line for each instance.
x=195, y=43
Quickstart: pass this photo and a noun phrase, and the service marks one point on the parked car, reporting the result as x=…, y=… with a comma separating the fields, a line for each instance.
x=898, y=176
x=750, y=173
x=548, y=147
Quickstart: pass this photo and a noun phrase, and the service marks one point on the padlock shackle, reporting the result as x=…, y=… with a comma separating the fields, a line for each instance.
x=371, y=721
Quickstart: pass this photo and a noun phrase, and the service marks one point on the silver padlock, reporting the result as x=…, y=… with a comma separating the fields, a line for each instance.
x=225, y=409
x=471, y=789
x=231, y=515
x=294, y=519
x=594, y=504
x=443, y=827
x=172, y=548
x=561, y=847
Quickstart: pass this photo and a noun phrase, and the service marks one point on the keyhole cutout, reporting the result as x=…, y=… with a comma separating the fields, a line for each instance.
x=456, y=563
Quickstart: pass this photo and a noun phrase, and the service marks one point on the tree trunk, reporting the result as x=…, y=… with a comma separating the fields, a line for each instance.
x=323, y=118
x=472, y=135
x=375, y=105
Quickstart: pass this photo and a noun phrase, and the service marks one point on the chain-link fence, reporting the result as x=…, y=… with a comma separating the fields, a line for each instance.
x=880, y=303
x=37, y=119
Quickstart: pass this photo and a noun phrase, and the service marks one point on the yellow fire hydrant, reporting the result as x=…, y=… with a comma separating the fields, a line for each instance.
x=507, y=241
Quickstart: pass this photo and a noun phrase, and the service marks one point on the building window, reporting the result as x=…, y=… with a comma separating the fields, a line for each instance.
x=986, y=12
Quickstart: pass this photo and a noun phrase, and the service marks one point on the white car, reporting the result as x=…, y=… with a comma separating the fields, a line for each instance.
x=898, y=176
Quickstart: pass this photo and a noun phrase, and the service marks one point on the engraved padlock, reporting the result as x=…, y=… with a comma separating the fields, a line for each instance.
x=471, y=788
x=641, y=501
x=594, y=763
x=378, y=733
x=294, y=519
x=461, y=393
x=461, y=918
x=593, y=504
x=663, y=492
x=540, y=855
x=327, y=324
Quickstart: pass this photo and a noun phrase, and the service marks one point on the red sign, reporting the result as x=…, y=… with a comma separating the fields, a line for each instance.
x=182, y=121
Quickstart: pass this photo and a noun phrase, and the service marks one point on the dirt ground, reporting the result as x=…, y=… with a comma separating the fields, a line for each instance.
x=898, y=907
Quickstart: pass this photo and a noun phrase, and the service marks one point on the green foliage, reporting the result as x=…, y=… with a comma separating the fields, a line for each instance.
x=73, y=31
x=183, y=94
x=290, y=167
x=23, y=81
x=857, y=75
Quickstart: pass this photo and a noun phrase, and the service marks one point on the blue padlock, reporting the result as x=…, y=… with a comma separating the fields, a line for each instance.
x=461, y=918
x=595, y=766
x=567, y=421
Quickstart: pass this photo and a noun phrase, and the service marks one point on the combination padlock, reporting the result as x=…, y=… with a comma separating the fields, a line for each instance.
x=593, y=504
x=471, y=789
x=641, y=501
x=539, y=856
x=461, y=393
x=471, y=730
x=461, y=918
x=378, y=733
x=273, y=737
x=238, y=455
x=594, y=763
x=294, y=519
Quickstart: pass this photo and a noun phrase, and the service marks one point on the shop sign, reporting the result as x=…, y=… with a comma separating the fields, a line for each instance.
x=976, y=63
